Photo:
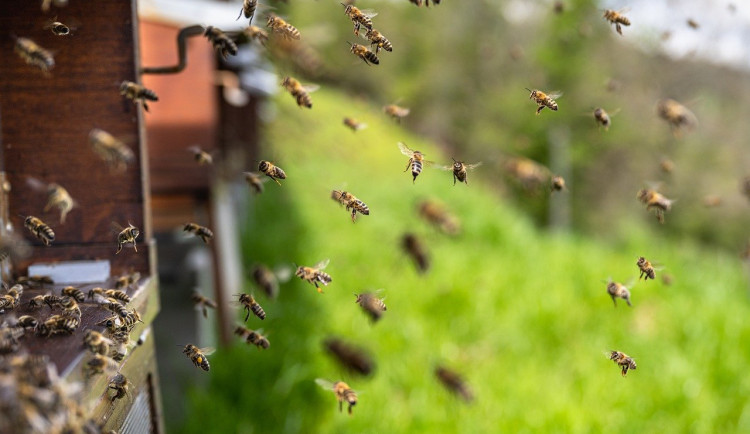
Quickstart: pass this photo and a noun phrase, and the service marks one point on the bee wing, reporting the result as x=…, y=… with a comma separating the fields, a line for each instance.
x=629, y=284
x=36, y=184
x=325, y=384
x=405, y=149
x=283, y=273
x=555, y=94
x=369, y=13
x=116, y=227
x=441, y=167
x=322, y=264
x=310, y=88
x=257, y=175
x=473, y=166
x=428, y=163
x=195, y=149
x=207, y=351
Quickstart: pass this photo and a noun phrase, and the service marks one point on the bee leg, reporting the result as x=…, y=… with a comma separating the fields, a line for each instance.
x=275, y=180
x=341, y=405
x=354, y=216
x=407, y=166
x=539, y=109
x=205, y=312
x=119, y=247
x=454, y=179
x=350, y=409
x=247, y=309
x=145, y=106
x=618, y=27
x=134, y=247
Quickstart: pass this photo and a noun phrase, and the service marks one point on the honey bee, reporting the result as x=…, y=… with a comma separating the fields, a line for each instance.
x=40, y=229
x=12, y=298
x=255, y=33
x=460, y=169
x=544, y=100
x=57, y=28
x=118, y=295
x=57, y=324
x=655, y=201
x=453, y=382
x=127, y=280
x=603, y=118
x=351, y=202
x=414, y=248
x=438, y=216
x=126, y=236
x=199, y=231
x=371, y=304
x=254, y=337
x=96, y=342
x=616, y=18
x=202, y=303
x=272, y=171
x=255, y=181
x=379, y=41
x=9, y=337
x=359, y=18
x=350, y=357
x=677, y=116
x=201, y=157
x=354, y=124
x=131, y=317
x=28, y=322
x=248, y=8
x=343, y=393
x=34, y=55
x=693, y=24
x=198, y=356
x=364, y=53
x=221, y=42
x=120, y=385
x=70, y=308
x=396, y=112
x=250, y=305
x=74, y=293
x=35, y=280
x=137, y=92
x=96, y=293
x=113, y=151
x=57, y=197
x=299, y=92
x=557, y=183
x=100, y=364
x=416, y=160
x=282, y=28
x=268, y=280
x=666, y=165
x=618, y=290
x=315, y=274
x=646, y=268
x=624, y=361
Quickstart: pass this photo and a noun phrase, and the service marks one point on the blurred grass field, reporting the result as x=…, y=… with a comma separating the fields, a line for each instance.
x=522, y=313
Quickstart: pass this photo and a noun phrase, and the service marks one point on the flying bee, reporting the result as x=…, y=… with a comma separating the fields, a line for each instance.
x=460, y=169
x=57, y=197
x=118, y=295
x=315, y=274
x=248, y=8
x=364, y=53
x=414, y=248
x=221, y=42
x=655, y=201
x=272, y=171
x=351, y=202
x=100, y=364
x=453, y=382
x=199, y=231
x=137, y=92
x=299, y=92
x=359, y=18
x=343, y=393
x=618, y=290
x=646, y=268
x=110, y=149
x=544, y=100
x=438, y=216
x=255, y=181
x=350, y=357
x=677, y=116
x=40, y=229
x=120, y=385
x=354, y=124
x=616, y=18
x=34, y=55
x=666, y=165
x=603, y=118
x=282, y=28
x=268, y=280
x=254, y=337
x=396, y=112
x=126, y=280
x=379, y=41
x=557, y=183
x=198, y=356
x=416, y=160
x=371, y=304
x=202, y=157
x=255, y=33
x=96, y=342
x=126, y=236
x=57, y=28
x=202, y=303
x=624, y=361
x=249, y=304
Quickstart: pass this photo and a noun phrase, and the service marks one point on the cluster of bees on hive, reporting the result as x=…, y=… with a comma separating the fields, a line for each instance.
x=110, y=346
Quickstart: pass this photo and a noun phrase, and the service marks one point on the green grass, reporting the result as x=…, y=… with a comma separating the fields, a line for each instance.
x=521, y=312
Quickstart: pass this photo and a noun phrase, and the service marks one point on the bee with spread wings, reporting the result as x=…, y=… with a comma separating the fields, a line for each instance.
x=460, y=169
x=416, y=160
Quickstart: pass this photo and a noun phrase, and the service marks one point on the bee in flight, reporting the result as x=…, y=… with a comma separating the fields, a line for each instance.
x=315, y=274
x=617, y=18
x=655, y=201
x=254, y=337
x=414, y=248
x=544, y=100
x=359, y=17
x=396, y=112
x=57, y=28
x=364, y=53
x=113, y=151
x=57, y=197
x=416, y=160
x=557, y=183
x=378, y=40
x=460, y=169
x=255, y=33
x=354, y=124
x=255, y=181
x=603, y=118
x=221, y=42
x=271, y=171
x=137, y=92
x=343, y=393
x=268, y=280
x=282, y=28
x=373, y=305
x=201, y=157
x=677, y=115
x=34, y=55
x=199, y=231
x=618, y=290
x=126, y=236
x=439, y=216
x=198, y=355
x=248, y=8
x=646, y=269
x=351, y=202
x=453, y=382
x=299, y=92
x=40, y=229
x=250, y=305
x=202, y=303
x=624, y=361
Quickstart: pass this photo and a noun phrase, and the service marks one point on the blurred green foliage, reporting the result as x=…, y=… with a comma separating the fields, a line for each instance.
x=522, y=313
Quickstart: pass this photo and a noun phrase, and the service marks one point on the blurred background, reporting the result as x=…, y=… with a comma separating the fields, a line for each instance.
x=514, y=298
